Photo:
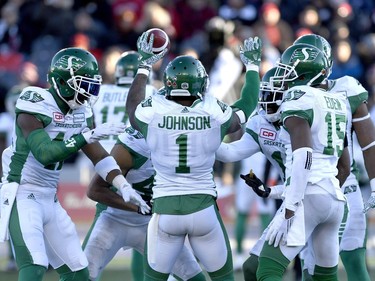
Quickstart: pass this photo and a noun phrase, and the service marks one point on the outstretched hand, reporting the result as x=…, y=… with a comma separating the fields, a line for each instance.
x=251, y=53
x=103, y=131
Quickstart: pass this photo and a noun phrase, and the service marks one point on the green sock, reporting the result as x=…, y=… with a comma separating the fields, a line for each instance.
x=67, y=275
x=272, y=264
x=355, y=264
x=240, y=230
x=250, y=267
x=137, y=266
x=306, y=276
x=31, y=272
x=325, y=273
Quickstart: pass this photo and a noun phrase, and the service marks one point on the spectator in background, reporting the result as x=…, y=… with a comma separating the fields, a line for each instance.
x=241, y=11
x=273, y=28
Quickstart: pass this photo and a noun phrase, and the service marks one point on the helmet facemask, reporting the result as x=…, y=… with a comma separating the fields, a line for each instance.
x=74, y=75
x=270, y=98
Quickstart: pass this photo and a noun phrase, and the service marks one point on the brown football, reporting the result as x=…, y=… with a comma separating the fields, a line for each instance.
x=161, y=40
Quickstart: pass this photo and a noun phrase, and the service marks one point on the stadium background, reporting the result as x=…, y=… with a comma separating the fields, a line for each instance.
x=32, y=31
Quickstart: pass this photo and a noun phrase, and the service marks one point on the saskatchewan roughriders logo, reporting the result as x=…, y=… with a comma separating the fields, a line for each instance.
x=31, y=96
x=67, y=62
x=304, y=54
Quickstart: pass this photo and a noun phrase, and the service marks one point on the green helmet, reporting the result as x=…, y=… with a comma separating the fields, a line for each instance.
x=126, y=67
x=300, y=64
x=321, y=43
x=270, y=98
x=185, y=76
x=74, y=74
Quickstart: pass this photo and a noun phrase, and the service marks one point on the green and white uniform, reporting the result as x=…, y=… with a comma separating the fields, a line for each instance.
x=37, y=213
x=354, y=235
x=183, y=141
x=110, y=107
x=323, y=201
x=105, y=239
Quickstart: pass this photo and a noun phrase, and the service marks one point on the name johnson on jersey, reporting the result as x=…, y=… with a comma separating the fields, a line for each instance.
x=185, y=122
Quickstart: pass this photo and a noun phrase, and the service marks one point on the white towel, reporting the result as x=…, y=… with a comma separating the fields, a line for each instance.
x=296, y=234
x=152, y=235
x=7, y=196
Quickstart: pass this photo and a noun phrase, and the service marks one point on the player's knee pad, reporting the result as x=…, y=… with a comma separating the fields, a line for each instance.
x=249, y=268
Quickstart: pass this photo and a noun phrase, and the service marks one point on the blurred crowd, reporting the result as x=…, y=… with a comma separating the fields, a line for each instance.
x=32, y=31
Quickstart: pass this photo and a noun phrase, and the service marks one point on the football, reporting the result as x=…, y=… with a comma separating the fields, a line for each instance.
x=161, y=40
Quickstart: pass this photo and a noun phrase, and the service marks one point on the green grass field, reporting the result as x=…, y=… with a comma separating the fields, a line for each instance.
x=125, y=275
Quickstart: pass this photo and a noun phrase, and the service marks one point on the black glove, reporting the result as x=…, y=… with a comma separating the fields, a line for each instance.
x=256, y=184
x=149, y=203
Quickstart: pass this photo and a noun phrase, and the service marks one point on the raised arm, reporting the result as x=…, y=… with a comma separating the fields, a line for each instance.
x=137, y=90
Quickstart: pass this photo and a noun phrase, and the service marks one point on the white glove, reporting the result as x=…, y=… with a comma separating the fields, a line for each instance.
x=251, y=53
x=103, y=131
x=130, y=195
x=278, y=229
x=370, y=204
x=144, y=46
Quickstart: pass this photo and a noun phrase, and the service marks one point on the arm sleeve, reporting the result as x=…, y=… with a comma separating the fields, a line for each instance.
x=237, y=150
x=48, y=151
x=249, y=94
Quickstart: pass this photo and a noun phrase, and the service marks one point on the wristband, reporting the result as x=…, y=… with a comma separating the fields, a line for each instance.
x=252, y=67
x=144, y=71
x=106, y=165
x=119, y=181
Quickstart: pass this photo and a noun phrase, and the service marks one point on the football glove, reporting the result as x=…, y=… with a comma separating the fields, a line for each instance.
x=148, y=202
x=102, y=131
x=370, y=204
x=130, y=195
x=256, y=184
x=144, y=46
x=251, y=53
x=278, y=229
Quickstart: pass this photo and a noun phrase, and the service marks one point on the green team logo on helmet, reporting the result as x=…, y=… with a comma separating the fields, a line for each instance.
x=304, y=54
x=67, y=62
x=300, y=64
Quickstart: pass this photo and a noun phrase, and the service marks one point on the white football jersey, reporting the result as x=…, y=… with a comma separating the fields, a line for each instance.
x=183, y=141
x=22, y=167
x=356, y=95
x=140, y=176
x=327, y=116
x=260, y=136
x=110, y=107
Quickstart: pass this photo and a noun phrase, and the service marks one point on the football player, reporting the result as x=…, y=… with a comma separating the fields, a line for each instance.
x=353, y=236
x=51, y=125
x=183, y=129
x=263, y=134
x=122, y=225
x=314, y=124
x=132, y=156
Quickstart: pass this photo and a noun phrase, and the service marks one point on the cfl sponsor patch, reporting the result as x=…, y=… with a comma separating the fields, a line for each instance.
x=267, y=134
x=58, y=117
x=78, y=117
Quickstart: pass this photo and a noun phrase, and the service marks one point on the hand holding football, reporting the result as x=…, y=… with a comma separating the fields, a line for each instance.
x=161, y=40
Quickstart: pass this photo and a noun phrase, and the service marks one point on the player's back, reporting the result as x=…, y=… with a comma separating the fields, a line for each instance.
x=183, y=141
